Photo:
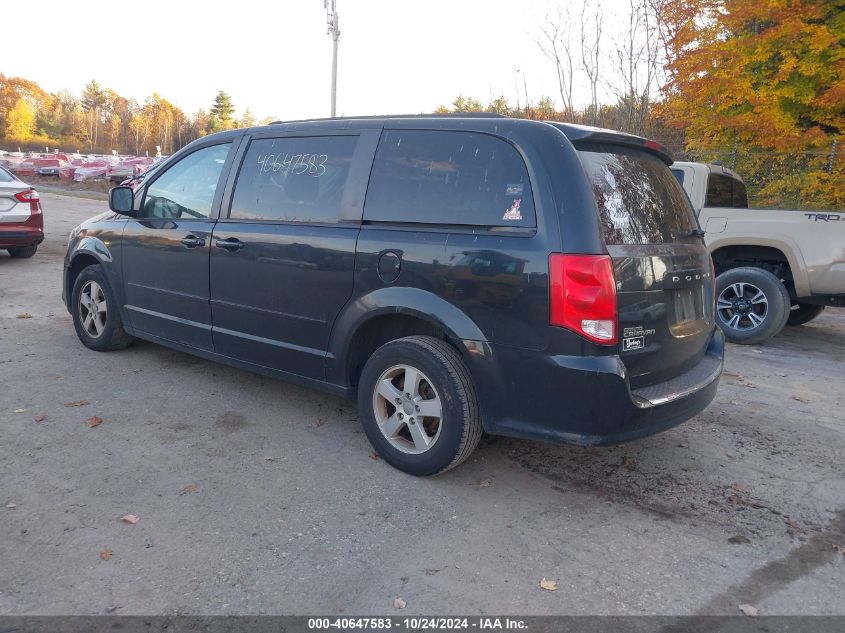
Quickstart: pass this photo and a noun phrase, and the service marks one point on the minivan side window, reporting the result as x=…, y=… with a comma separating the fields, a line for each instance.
x=444, y=177
x=293, y=179
x=186, y=190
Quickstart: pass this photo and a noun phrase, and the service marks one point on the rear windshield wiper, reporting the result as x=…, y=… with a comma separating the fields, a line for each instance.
x=694, y=233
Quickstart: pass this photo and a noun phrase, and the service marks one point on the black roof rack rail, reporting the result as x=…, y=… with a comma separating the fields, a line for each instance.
x=462, y=115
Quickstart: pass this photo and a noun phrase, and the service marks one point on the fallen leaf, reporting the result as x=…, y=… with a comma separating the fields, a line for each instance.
x=399, y=603
x=130, y=518
x=749, y=610
x=738, y=488
x=736, y=500
x=11, y=505
x=188, y=489
x=548, y=585
x=94, y=421
x=25, y=315
x=19, y=410
x=40, y=418
x=375, y=456
x=58, y=378
x=106, y=554
x=77, y=403
x=484, y=483
x=739, y=539
x=792, y=525
x=683, y=445
x=801, y=399
x=628, y=462
x=431, y=572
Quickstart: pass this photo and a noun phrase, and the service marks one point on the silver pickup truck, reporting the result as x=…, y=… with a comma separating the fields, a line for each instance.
x=774, y=267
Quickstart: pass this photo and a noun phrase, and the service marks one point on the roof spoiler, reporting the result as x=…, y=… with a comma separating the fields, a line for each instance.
x=584, y=134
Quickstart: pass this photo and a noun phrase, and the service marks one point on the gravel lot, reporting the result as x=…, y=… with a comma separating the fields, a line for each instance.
x=258, y=497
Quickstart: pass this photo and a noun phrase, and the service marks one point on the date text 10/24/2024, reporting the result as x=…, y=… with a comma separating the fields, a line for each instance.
x=419, y=623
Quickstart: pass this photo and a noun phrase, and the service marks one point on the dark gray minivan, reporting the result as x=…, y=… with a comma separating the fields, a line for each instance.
x=455, y=274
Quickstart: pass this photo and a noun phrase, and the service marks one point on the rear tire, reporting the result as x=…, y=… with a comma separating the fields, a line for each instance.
x=804, y=313
x=752, y=305
x=393, y=412
x=96, y=316
x=23, y=251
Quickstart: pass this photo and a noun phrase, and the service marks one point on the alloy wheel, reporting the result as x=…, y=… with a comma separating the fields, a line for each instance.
x=407, y=409
x=92, y=309
x=742, y=306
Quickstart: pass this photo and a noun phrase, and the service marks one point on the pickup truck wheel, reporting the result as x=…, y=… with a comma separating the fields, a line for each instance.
x=752, y=305
x=802, y=313
x=418, y=407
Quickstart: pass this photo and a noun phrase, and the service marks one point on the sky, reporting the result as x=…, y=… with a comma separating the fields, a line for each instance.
x=275, y=56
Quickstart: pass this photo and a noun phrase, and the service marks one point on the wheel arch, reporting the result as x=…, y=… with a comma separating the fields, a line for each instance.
x=87, y=252
x=776, y=256
x=390, y=313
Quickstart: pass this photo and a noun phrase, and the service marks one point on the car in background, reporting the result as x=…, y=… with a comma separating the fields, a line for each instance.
x=21, y=220
x=92, y=169
x=129, y=168
x=67, y=171
x=49, y=166
x=26, y=167
x=774, y=267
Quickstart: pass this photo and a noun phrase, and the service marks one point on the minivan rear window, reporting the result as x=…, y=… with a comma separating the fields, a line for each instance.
x=638, y=198
x=446, y=177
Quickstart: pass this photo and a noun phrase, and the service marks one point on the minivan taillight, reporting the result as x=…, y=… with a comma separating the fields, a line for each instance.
x=30, y=196
x=583, y=296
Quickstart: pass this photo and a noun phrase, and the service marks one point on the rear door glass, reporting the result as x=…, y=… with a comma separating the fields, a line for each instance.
x=726, y=192
x=444, y=177
x=639, y=199
x=293, y=179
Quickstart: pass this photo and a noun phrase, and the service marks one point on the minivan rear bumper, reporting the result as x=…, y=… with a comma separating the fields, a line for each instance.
x=587, y=400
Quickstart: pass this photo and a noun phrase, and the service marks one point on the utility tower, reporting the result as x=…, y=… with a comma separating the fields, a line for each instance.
x=334, y=31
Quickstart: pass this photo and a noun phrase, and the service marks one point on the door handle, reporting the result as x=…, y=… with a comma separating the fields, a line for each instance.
x=192, y=241
x=230, y=244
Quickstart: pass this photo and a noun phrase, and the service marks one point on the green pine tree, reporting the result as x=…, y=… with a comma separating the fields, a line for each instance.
x=223, y=109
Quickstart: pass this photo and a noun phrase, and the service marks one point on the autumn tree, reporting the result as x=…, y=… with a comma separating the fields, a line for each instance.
x=766, y=77
x=467, y=104
x=499, y=105
x=247, y=120
x=93, y=99
x=20, y=121
x=12, y=90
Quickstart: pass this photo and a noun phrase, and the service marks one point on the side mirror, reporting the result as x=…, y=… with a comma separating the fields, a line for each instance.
x=122, y=200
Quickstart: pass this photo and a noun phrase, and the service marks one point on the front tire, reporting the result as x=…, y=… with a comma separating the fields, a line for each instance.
x=96, y=316
x=23, y=251
x=804, y=313
x=752, y=305
x=418, y=406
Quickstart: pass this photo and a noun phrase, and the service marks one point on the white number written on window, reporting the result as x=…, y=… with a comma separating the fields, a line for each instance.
x=296, y=164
